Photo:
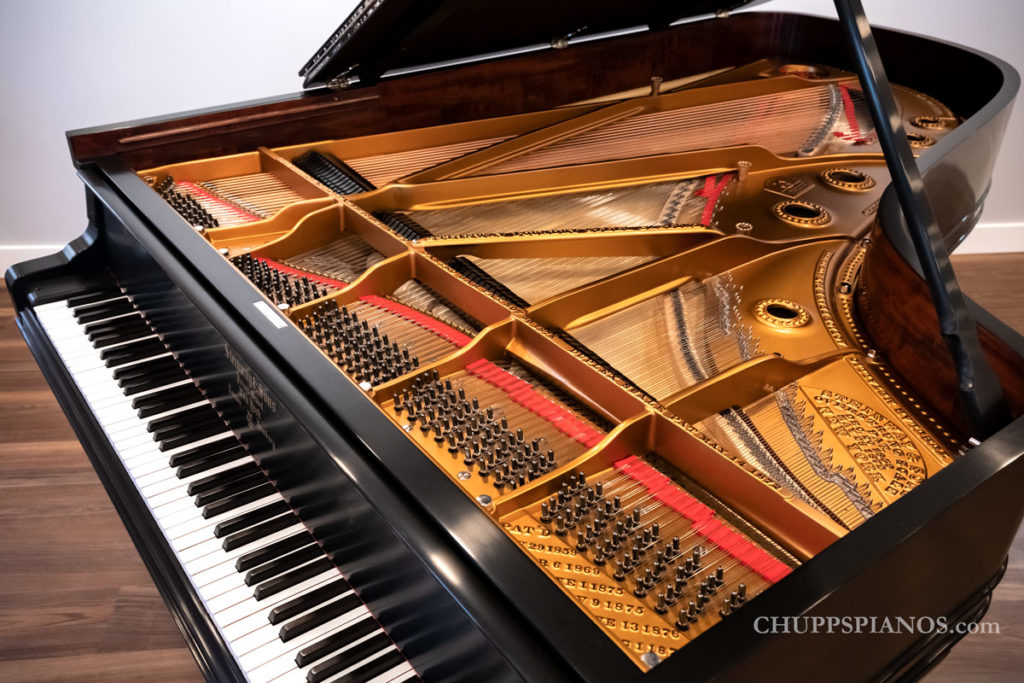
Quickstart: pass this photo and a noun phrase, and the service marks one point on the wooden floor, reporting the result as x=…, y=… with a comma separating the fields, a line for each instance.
x=76, y=603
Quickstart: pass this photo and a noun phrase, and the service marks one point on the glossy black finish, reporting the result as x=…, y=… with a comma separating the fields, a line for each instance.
x=454, y=592
x=398, y=34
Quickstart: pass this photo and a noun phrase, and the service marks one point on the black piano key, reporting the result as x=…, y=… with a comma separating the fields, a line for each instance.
x=261, y=530
x=296, y=576
x=99, y=311
x=189, y=432
x=275, y=549
x=168, y=399
x=199, y=465
x=145, y=368
x=243, y=483
x=132, y=351
x=123, y=324
x=237, y=500
x=352, y=657
x=94, y=296
x=308, y=601
x=219, y=479
x=319, y=616
x=117, y=337
x=199, y=432
x=247, y=519
x=182, y=418
x=280, y=565
x=335, y=642
x=154, y=381
x=204, y=451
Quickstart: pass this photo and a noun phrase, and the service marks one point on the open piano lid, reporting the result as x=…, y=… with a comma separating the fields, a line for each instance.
x=381, y=36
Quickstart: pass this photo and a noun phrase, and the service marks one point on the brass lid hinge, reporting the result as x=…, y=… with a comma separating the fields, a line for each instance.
x=345, y=80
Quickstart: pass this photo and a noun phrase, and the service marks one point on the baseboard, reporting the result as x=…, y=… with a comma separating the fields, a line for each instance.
x=993, y=238
x=16, y=253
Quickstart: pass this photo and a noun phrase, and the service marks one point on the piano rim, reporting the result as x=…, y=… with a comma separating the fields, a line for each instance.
x=814, y=581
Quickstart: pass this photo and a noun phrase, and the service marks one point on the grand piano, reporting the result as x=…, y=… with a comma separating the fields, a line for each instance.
x=592, y=350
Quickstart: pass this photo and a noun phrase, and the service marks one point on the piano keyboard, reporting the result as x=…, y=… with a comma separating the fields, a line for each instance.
x=285, y=610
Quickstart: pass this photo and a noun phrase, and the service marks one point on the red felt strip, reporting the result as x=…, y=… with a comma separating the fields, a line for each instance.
x=204, y=194
x=522, y=393
x=851, y=112
x=295, y=272
x=422, y=319
x=702, y=519
x=712, y=195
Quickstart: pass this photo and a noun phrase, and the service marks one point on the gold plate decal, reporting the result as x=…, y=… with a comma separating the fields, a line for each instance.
x=879, y=446
x=789, y=187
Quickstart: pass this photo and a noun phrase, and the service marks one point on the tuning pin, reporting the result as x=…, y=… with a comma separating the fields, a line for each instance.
x=545, y=512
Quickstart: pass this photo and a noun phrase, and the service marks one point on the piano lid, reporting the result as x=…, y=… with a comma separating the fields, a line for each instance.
x=383, y=36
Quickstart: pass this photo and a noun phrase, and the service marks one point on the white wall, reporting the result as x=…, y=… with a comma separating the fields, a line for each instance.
x=69, y=64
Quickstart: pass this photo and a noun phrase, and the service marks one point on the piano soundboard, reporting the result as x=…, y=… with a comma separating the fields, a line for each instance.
x=624, y=328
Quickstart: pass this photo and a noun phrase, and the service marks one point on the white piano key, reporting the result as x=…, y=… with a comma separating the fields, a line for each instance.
x=243, y=620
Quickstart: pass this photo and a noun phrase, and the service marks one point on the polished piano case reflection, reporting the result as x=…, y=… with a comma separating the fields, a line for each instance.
x=521, y=369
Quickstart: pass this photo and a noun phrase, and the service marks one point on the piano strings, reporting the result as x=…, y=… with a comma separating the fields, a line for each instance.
x=383, y=169
x=674, y=340
x=786, y=123
x=666, y=204
x=345, y=258
x=535, y=279
x=777, y=436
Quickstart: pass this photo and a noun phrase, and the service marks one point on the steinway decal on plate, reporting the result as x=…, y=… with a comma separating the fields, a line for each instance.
x=249, y=392
x=790, y=188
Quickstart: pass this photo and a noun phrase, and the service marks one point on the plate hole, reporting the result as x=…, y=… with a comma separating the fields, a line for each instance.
x=845, y=176
x=781, y=312
x=801, y=211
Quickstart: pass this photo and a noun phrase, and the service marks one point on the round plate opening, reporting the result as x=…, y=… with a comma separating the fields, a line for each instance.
x=918, y=140
x=927, y=122
x=847, y=179
x=781, y=311
x=803, y=211
x=845, y=176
